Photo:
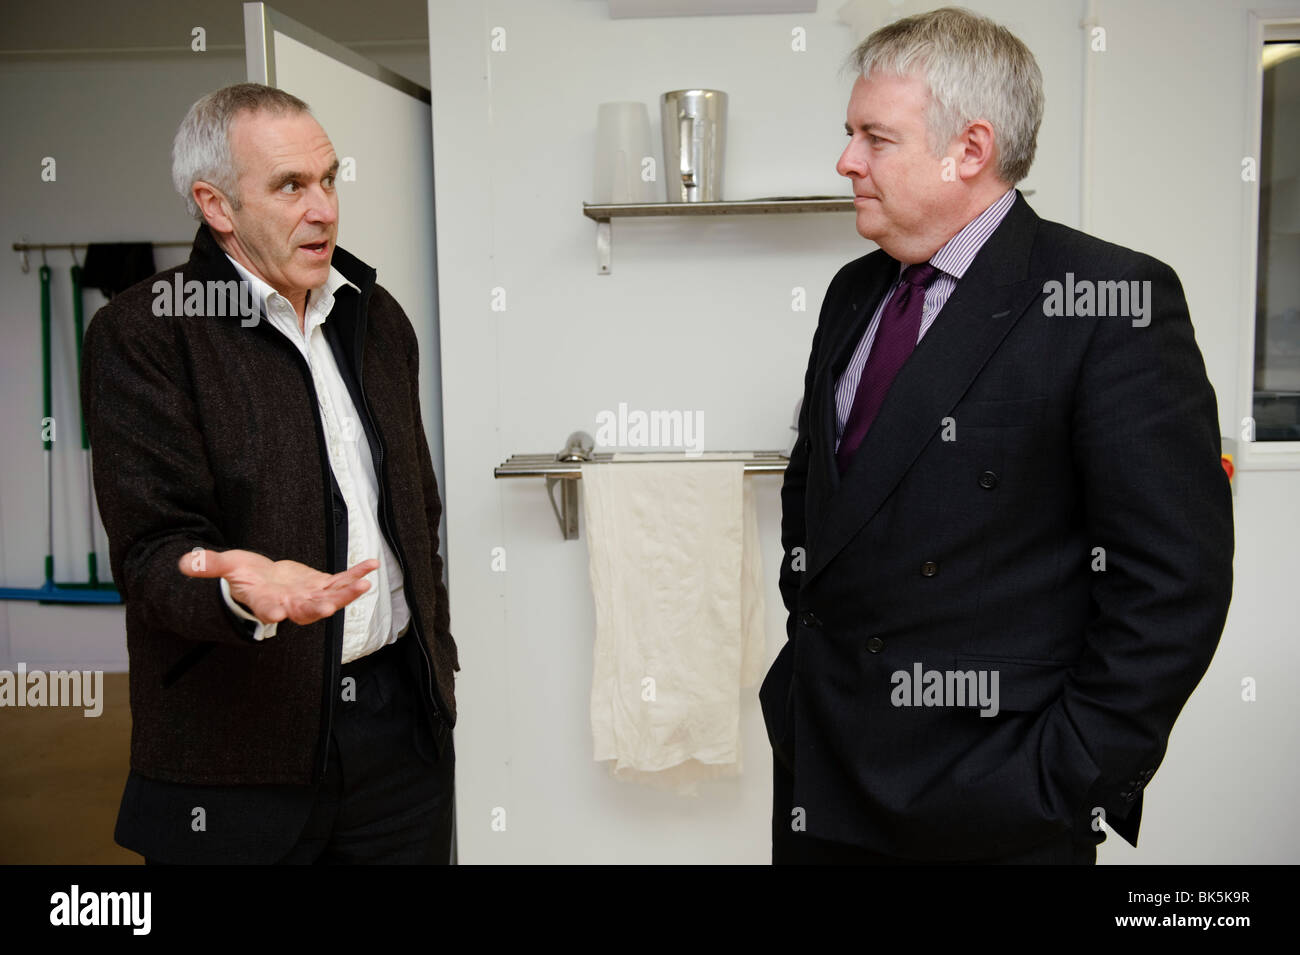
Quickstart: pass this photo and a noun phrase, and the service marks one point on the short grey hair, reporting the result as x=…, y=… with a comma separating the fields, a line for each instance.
x=975, y=69
x=201, y=150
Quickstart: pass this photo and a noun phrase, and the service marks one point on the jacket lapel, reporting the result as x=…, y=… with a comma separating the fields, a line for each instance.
x=988, y=300
x=859, y=305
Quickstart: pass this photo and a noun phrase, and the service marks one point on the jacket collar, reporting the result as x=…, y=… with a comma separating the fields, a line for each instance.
x=208, y=261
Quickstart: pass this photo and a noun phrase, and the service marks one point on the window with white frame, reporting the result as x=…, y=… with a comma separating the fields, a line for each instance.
x=1276, y=392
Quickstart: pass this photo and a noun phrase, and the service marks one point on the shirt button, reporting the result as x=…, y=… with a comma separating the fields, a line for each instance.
x=988, y=480
x=929, y=569
x=875, y=644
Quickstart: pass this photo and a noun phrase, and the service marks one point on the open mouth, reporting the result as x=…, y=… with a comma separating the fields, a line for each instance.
x=318, y=249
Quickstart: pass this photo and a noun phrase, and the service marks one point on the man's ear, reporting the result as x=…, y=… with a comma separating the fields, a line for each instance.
x=214, y=206
x=977, y=149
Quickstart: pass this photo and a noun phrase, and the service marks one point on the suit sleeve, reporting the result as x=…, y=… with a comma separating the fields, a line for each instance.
x=1156, y=499
x=155, y=490
x=793, y=489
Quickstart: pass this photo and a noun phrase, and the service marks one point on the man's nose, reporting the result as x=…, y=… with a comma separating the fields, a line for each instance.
x=850, y=163
x=324, y=205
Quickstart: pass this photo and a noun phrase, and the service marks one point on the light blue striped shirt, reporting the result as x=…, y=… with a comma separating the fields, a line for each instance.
x=952, y=261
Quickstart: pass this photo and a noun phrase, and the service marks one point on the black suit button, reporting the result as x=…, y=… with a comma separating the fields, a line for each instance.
x=929, y=569
x=988, y=480
x=810, y=619
x=875, y=644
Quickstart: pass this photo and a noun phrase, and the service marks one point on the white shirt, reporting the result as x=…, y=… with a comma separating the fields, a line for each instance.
x=376, y=617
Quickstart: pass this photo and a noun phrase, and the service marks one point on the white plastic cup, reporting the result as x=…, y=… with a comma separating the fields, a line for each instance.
x=622, y=146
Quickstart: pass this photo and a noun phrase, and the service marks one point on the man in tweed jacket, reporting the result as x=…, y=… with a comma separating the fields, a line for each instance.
x=261, y=465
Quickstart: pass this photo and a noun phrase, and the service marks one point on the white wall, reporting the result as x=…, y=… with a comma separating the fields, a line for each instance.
x=697, y=315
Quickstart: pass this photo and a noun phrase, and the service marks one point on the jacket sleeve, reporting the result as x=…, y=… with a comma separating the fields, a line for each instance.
x=794, y=487
x=432, y=500
x=794, y=558
x=152, y=480
x=1156, y=500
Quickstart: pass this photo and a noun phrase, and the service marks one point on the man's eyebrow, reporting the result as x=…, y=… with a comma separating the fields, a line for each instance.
x=292, y=175
x=867, y=127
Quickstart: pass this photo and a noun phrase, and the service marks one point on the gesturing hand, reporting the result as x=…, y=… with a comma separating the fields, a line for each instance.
x=276, y=590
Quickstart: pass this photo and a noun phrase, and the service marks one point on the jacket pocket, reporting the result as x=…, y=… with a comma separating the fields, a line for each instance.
x=186, y=662
x=1018, y=685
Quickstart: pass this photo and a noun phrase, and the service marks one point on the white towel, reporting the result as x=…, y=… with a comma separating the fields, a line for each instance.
x=677, y=578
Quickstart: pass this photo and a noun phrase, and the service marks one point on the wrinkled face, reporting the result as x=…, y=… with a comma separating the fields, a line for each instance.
x=902, y=197
x=287, y=225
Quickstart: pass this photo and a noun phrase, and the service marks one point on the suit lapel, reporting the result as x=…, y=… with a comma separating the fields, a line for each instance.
x=860, y=304
x=988, y=301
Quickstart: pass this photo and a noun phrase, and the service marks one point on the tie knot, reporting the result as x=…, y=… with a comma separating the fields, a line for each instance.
x=920, y=275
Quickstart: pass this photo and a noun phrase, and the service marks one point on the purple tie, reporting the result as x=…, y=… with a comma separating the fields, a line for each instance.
x=900, y=322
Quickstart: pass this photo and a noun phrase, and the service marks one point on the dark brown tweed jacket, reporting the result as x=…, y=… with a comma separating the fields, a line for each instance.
x=206, y=433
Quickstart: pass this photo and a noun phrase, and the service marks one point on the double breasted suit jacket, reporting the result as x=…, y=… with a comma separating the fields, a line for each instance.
x=1040, y=498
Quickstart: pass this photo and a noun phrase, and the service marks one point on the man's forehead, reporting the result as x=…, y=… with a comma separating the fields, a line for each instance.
x=886, y=99
x=281, y=138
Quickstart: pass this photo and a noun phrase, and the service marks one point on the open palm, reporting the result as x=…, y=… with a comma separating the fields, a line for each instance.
x=275, y=590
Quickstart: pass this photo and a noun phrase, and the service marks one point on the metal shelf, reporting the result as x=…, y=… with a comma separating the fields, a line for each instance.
x=603, y=213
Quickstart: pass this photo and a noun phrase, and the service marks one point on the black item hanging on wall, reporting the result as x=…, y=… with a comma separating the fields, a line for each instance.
x=112, y=267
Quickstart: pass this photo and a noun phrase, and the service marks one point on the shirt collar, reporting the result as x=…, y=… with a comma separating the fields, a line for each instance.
x=957, y=253
x=321, y=297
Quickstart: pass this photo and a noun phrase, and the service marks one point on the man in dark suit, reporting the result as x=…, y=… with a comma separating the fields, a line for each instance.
x=1008, y=534
x=272, y=515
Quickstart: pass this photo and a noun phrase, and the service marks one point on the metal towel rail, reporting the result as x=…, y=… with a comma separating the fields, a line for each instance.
x=565, y=469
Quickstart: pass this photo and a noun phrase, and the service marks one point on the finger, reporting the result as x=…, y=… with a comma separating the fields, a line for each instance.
x=350, y=576
x=201, y=562
x=357, y=571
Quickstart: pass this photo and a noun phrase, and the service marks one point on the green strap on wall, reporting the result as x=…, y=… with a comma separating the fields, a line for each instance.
x=45, y=353
x=47, y=421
